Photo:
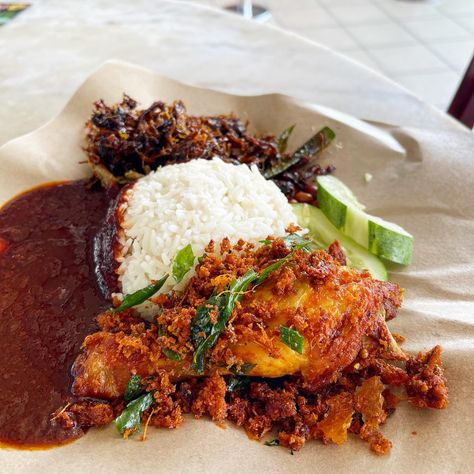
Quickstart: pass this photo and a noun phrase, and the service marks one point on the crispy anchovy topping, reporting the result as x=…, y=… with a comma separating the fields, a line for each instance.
x=125, y=143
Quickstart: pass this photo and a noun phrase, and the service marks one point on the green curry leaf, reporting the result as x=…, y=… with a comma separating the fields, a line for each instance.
x=282, y=141
x=296, y=239
x=311, y=148
x=244, y=369
x=265, y=273
x=130, y=418
x=203, y=332
x=182, y=263
x=133, y=389
x=140, y=296
x=171, y=354
x=237, y=383
x=292, y=338
x=273, y=442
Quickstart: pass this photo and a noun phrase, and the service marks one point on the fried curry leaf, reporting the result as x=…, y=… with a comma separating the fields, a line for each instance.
x=237, y=383
x=315, y=145
x=296, y=239
x=290, y=240
x=171, y=354
x=203, y=348
x=203, y=332
x=236, y=290
x=201, y=327
x=130, y=418
x=292, y=338
x=133, y=389
x=140, y=296
x=273, y=442
x=265, y=273
x=201, y=324
x=282, y=141
x=182, y=263
x=244, y=369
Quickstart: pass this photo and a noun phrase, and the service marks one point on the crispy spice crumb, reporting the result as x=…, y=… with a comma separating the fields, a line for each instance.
x=356, y=399
x=211, y=398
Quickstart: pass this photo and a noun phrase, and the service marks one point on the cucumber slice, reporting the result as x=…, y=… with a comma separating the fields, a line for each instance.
x=382, y=238
x=323, y=234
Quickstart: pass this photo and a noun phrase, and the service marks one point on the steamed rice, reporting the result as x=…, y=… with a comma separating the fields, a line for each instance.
x=192, y=203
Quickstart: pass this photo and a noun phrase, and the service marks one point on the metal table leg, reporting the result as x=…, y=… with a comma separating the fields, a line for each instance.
x=248, y=10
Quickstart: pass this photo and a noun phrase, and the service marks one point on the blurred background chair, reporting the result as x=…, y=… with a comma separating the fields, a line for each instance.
x=462, y=105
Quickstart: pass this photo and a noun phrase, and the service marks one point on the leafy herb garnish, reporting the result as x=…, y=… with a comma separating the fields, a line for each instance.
x=273, y=442
x=292, y=338
x=171, y=354
x=245, y=368
x=205, y=334
x=296, y=239
x=140, y=296
x=290, y=240
x=236, y=290
x=264, y=274
x=315, y=145
x=183, y=262
x=282, y=140
x=237, y=383
x=130, y=418
x=201, y=327
x=133, y=389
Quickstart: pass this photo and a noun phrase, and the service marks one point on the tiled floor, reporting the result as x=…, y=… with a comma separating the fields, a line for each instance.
x=423, y=45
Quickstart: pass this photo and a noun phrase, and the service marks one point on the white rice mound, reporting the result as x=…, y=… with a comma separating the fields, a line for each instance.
x=192, y=203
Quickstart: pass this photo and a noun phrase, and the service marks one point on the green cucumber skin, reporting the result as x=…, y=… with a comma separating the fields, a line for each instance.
x=334, y=210
x=363, y=228
x=387, y=244
x=323, y=233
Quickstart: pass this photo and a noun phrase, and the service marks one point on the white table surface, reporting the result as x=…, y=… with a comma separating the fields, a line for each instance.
x=47, y=51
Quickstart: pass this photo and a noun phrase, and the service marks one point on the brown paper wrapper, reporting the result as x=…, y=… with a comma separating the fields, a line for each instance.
x=423, y=180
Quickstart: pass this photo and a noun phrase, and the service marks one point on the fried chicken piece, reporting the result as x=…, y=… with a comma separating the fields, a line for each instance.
x=427, y=384
x=333, y=307
x=334, y=316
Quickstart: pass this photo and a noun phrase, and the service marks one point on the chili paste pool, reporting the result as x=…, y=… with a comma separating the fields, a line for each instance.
x=49, y=299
